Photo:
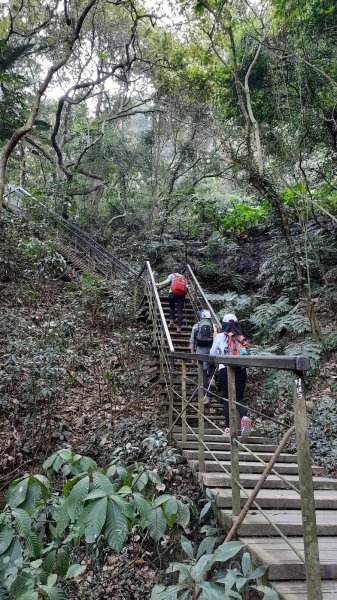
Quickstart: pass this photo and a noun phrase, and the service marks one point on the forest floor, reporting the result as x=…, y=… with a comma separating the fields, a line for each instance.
x=76, y=373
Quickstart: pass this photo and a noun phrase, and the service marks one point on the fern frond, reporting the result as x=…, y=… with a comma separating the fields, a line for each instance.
x=307, y=347
x=294, y=322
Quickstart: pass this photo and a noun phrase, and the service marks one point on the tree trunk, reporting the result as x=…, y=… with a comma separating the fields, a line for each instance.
x=264, y=187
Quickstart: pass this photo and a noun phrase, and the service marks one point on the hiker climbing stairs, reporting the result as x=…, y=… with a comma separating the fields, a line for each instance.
x=288, y=490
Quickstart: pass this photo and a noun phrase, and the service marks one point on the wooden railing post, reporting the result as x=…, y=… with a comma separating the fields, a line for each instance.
x=311, y=552
x=183, y=402
x=235, y=467
x=171, y=394
x=201, y=421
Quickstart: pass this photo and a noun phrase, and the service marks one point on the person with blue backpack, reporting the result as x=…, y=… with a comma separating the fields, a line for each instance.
x=201, y=341
x=230, y=342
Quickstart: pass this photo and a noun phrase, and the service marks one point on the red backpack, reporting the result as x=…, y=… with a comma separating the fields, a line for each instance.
x=179, y=285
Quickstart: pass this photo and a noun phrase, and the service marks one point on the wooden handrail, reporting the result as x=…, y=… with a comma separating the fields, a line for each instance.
x=202, y=294
x=79, y=233
x=287, y=363
x=160, y=308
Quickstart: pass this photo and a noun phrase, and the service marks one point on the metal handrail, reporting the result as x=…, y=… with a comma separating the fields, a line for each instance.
x=159, y=307
x=203, y=296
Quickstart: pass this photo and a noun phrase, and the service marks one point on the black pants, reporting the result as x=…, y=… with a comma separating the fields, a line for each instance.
x=176, y=301
x=207, y=368
x=240, y=384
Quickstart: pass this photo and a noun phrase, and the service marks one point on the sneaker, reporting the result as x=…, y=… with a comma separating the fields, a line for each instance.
x=171, y=323
x=178, y=329
x=227, y=432
x=246, y=426
x=206, y=400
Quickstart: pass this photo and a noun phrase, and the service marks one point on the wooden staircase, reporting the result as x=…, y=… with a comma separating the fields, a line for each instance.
x=281, y=548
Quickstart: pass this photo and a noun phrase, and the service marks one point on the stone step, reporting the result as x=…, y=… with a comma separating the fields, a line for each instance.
x=277, y=498
x=249, y=480
x=288, y=521
x=284, y=563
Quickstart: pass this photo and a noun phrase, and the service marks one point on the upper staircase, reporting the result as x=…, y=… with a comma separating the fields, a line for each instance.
x=290, y=518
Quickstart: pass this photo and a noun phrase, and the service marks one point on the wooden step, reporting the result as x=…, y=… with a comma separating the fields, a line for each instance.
x=297, y=590
x=277, y=498
x=212, y=435
x=249, y=480
x=211, y=466
x=284, y=563
x=288, y=521
x=224, y=444
x=243, y=456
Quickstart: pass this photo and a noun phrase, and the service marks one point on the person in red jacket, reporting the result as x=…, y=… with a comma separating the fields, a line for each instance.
x=176, y=297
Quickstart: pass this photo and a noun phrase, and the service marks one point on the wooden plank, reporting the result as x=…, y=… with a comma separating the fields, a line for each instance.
x=211, y=466
x=278, y=498
x=297, y=590
x=288, y=521
x=249, y=480
x=284, y=563
x=244, y=456
x=224, y=446
x=287, y=363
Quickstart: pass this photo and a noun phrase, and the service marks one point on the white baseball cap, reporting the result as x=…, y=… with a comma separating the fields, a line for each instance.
x=229, y=317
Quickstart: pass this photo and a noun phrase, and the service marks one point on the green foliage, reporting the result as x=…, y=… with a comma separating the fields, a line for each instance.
x=39, y=526
x=228, y=583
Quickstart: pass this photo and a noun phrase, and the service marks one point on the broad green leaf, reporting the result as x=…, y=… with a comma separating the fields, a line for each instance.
x=269, y=594
x=187, y=547
x=142, y=505
x=62, y=518
x=206, y=546
x=202, y=566
x=34, y=545
x=23, y=522
x=171, y=506
x=125, y=506
x=205, y=510
x=53, y=593
x=183, y=515
x=96, y=520
x=102, y=482
x=49, y=562
x=76, y=497
x=156, y=524
x=75, y=571
x=160, y=592
x=184, y=571
x=52, y=579
x=161, y=499
x=226, y=551
x=258, y=572
x=49, y=461
x=245, y=563
x=116, y=527
x=6, y=536
x=95, y=495
x=62, y=561
x=213, y=591
x=18, y=493
x=34, y=491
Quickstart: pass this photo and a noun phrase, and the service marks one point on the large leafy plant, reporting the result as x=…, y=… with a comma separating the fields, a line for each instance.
x=40, y=527
x=199, y=574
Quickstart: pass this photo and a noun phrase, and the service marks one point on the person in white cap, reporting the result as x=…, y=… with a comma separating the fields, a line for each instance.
x=201, y=340
x=230, y=341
